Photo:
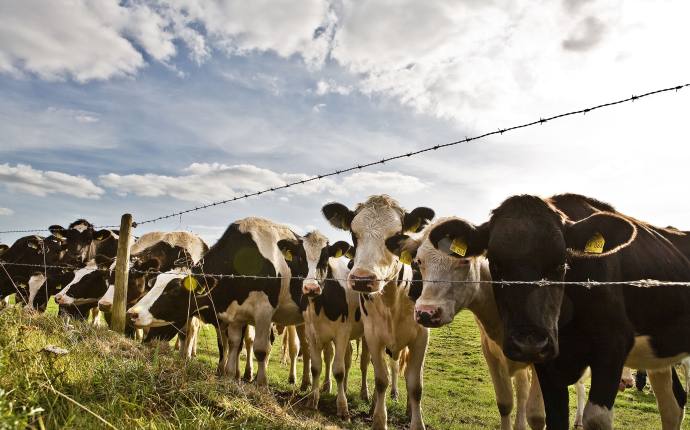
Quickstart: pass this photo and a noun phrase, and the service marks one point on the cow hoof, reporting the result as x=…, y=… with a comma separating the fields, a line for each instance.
x=291, y=380
x=536, y=422
x=364, y=395
x=326, y=388
x=394, y=396
x=344, y=414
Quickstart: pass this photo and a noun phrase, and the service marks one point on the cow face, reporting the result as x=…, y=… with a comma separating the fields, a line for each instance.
x=3, y=248
x=315, y=251
x=372, y=222
x=450, y=282
x=88, y=285
x=528, y=240
x=172, y=300
x=78, y=237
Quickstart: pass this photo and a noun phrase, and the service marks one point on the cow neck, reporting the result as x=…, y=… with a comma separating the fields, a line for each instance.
x=484, y=308
x=389, y=295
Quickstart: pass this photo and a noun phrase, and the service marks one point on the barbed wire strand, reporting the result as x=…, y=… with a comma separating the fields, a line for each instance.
x=498, y=131
x=588, y=283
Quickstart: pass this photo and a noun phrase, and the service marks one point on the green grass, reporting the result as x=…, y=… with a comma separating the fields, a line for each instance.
x=132, y=386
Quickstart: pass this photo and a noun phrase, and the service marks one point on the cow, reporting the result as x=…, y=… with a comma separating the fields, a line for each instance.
x=563, y=328
x=84, y=242
x=331, y=312
x=231, y=301
x=29, y=256
x=387, y=294
x=452, y=284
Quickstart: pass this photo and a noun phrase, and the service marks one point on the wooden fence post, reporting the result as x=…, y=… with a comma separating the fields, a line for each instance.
x=121, y=275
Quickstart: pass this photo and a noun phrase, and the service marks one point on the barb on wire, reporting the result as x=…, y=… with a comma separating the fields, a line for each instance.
x=466, y=139
x=642, y=283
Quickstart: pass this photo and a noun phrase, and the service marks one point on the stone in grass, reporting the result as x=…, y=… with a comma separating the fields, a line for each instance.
x=55, y=350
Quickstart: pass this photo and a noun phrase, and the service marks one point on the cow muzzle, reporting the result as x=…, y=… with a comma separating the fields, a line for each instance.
x=428, y=316
x=311, y=289
x=105, y=306
x=530, y=347
x=363, y=282
x=63, y=299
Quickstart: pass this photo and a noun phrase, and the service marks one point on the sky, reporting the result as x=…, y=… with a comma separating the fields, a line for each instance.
x=150, y=107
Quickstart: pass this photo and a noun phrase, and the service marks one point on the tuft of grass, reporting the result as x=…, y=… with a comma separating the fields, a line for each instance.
x=105, y=378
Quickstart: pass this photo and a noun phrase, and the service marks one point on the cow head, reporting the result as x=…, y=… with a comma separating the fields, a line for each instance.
x=442, y=295
x=33, y=252
x=3, y=248
x=529, y=240
x=315, y=251
x=371, y=224
x=172, y=300
x=88, y=285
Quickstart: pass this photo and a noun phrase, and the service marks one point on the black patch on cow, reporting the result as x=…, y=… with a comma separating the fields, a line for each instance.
x=389, y=353
x=163, y=334
x=332, y=300
x=361, y=304
x=416, y=285
x=358, y=315
x=678, y=389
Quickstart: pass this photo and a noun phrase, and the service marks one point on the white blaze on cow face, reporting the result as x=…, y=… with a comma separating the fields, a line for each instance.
x=370, y=228
x=62, y=298
x=35, y=283
x=441, y=296
x=106, y=301
x=314, y=243
x=140, y=314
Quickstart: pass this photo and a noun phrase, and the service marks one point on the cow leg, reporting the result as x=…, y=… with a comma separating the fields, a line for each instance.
x=662, y=384
x=95, y=314
x=381, y=381
x=502, y=384
x=233, y=344
x=536, y=416
x=522, y=387
x=315, y=351
x=192, y=331
x=262, y=346
x=306, y=356
x=606, y=377
x=364, y=360
x=249, y=348
x=221, y=341
x=394, y=366
x=328, y=362
x=342, y=342
x=580, y=390
x=686, y=373
x=555, y=397
x=293, y=349
x=414, y=378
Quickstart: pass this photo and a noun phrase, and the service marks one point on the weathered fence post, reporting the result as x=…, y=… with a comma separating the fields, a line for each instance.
x=121, y=275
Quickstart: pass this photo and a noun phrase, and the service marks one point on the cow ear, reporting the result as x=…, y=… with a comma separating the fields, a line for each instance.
x=3, y=248
x=599, y=235
x=57, y=231
x=339, y=249
x=102, y=234
x=34, y=243
x=338, y=215
x=404, y=247
x=416, y=220
x=103, y=260
x=289, y=248
x=460, y=238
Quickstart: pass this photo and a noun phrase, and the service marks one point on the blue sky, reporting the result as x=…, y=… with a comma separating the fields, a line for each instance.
x=153, y=106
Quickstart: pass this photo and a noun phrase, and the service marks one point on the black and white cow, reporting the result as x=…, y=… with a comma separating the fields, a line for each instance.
x=30, y=252
x=331, y=312
x=84, y=242
x=387, y=294
x=565, y=328
x=248, y=247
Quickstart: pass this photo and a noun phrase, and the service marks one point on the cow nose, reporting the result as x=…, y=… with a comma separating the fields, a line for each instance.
x=362, y=281
x=428, y=316
x=58, y=299
x=133, y=315
x=529, y=347
x=105, y=306
x=311, y=289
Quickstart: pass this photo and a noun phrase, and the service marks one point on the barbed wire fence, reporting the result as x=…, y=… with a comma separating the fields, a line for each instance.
x=643, y=283
x=337, y=172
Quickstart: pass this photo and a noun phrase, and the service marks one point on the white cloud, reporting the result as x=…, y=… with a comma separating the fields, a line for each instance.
x=207, y=182
x=23, y=178
x=327, y=87
x=6, y=212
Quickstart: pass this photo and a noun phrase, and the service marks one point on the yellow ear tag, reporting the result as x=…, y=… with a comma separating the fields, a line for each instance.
x=190, y=283
x=406, y=257
x=459, y=247
x=338, y=253
x=415, y=227
x=595, y=245
x=288, y=255
x=349, y=254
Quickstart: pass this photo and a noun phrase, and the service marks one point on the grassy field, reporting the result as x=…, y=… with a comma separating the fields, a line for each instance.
x=131, y=386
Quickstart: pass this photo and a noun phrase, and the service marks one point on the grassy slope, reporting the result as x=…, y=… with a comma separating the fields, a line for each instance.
x=135, y=387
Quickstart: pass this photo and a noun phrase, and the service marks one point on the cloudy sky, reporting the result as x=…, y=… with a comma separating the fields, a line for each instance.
x=150, y=107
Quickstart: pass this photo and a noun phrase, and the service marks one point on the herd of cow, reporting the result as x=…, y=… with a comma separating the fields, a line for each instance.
x=402, y=274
